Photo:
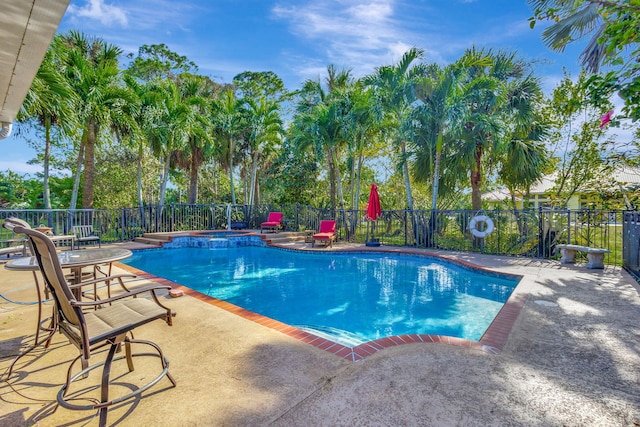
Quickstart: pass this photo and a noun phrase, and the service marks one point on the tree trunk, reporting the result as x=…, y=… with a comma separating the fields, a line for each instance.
x=233, y=191
x=358, y=175
x=476, y=180
x=352, y=183
x=46, y=194
x=89, y=165
x=76, y=179
x=332, y=180
x=193, y=180
x=165, y=178
x=334, y=153
x=405, y=173
x=140, y=155
x=254, y=177
x=517, y=213
x=436, y=174
x=257, y=191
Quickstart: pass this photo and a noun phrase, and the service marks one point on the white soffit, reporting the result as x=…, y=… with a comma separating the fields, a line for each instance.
x=26, y=30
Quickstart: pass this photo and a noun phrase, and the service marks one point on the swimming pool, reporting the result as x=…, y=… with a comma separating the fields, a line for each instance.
x=347, y=297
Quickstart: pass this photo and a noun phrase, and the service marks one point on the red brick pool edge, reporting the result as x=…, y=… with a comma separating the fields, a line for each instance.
x=492, y=341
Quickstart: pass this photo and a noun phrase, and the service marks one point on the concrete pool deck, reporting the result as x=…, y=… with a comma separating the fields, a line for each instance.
x=572, y=358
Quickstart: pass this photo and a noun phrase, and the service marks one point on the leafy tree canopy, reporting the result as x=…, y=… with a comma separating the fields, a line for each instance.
x=158, y=61
x=614, y=44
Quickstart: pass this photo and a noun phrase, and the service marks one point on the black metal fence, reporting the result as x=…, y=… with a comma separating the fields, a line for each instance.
x=631, y=242
x=532, y=233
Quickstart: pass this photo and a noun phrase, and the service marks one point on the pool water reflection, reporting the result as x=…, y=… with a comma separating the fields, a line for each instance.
x=349, y=297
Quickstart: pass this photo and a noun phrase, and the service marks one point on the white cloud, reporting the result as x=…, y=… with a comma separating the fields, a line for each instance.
x=100, y=11
x=19, y=167
x=362, y=34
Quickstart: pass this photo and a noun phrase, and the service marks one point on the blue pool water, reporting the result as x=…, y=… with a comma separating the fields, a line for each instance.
x=349, y=298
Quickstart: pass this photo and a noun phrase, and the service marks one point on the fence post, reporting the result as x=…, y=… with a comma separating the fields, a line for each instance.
x=122, y=223
x=405, y=227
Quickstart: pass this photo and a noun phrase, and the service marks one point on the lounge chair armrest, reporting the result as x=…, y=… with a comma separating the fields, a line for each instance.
x=103, y=279
x=137, y=291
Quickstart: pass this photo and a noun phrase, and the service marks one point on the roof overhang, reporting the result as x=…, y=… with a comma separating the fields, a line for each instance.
x=26, y=30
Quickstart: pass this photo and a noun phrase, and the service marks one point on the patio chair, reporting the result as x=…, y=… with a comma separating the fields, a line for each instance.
x=109, y=324
x=11, y=247
x=85, y=234
x=326, y=234
x=273, y=222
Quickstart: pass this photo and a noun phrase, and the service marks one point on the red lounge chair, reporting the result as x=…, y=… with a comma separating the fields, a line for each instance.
x=273, y=223
x=326, y=234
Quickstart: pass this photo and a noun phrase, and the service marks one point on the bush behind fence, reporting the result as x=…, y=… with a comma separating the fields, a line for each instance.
x=532, y=233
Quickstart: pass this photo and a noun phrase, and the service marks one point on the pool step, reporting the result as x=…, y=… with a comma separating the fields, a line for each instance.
x=284, y=237
x=153, y=239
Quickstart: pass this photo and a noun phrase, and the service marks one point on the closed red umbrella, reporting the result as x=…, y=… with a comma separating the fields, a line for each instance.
x=374, y=211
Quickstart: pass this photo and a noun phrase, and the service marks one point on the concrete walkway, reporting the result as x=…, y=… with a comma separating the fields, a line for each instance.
x=572, y=359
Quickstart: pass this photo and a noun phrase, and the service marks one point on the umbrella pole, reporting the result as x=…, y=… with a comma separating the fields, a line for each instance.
x=366, y=239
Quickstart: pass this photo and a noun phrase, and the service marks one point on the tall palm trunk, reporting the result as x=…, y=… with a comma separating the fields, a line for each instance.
x=140, y=155
x=193, y=179
x=358, y=176
x=436, y=173
x=254, y=177
x=89, y=165
x=143, y=217
x=332, y=179
x=405, y=173
x=334, y=154
x=476, y=180
x=517, y=212
x=165, y=178
x=46, y=193
x=76, y=179
x=233, y=191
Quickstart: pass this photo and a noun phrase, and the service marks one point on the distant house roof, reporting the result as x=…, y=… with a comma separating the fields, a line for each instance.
x=626, y=176
x=499, y=195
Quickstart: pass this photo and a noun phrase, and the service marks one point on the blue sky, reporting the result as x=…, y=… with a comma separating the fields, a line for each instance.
x=298, y=39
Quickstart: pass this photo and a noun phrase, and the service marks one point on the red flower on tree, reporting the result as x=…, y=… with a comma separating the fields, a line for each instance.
x=604, y=120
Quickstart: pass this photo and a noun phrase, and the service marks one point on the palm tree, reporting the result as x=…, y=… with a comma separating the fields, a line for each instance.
x=197, y=92
x=322, y=123
x=393, y=87
x=442, y=92
x=499, y=97
x=363, y=127
x=264, y=128
x=574, y=20
x=143, y=118
x=92, y=70
x=51, y=101
x=168, y=129
x=226, y=111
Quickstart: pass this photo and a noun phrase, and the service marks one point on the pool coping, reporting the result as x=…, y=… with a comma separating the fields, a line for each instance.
x=492, y=341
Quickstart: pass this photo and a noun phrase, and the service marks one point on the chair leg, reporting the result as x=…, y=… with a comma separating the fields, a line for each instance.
x=127, y=350
x=105, y=402
x=104, y=387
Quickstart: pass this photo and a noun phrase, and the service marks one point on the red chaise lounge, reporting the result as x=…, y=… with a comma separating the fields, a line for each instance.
x=326, y=234
x=273, y=223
